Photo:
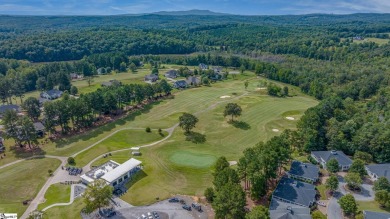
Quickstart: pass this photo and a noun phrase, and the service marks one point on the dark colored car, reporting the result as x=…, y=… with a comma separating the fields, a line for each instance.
x=197, y=206
x=188, y=208
x=173, y=200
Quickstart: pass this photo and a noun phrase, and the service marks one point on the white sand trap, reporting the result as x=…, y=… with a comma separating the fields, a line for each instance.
x=223, y=97
x=233, y=162
x=261, y=88
x=275, y=130
x=290, y=118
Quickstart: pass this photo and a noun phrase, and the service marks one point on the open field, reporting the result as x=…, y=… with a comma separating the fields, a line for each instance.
x=371, y=206
x=56, y=193
x=180, y=166
x=22, y=182
x=65, y=212
x=120, y=140
x=371, y=39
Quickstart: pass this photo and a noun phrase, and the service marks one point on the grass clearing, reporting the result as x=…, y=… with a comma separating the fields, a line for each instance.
x=65, y=212
x=371, y=206
x=374, y=40
x=189, y=159
x=22, y=182
x=121, y=140
x=56, y=193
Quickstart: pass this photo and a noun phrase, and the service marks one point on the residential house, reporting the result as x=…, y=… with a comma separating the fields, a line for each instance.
x=4, y=108
x=151, y=78
x=378, y=170
x=295, y=192
x=111, y=83
x=375, y=215
x=324, y=156
x=217, y=70
x=101, y=71
x=180, y=84
x=2, y=147
x=359, y=38
x=75, y=76
x=304, y=171
x=51, y=94
x=203, y=66
x=171, y=74
x=43, y=101
x=282, y=210
x=193, y=81
x=39, y=129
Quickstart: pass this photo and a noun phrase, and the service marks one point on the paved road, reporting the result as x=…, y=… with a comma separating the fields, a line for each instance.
x=334, y=211
x=366, y=193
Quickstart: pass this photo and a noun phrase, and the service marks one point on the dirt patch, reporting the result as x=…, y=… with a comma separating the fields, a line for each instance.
x=223, y=97
x=275, y=130
x=290, y=118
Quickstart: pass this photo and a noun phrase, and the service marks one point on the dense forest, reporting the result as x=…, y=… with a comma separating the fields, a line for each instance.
x=317, y=53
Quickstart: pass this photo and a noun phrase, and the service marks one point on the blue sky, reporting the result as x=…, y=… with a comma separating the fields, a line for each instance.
x=245, y=7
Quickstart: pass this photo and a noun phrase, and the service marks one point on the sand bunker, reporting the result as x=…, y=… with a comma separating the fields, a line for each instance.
x=290, y=118
x=261, y=88
x=223, y=97
x=232, y=163
x=275, y=130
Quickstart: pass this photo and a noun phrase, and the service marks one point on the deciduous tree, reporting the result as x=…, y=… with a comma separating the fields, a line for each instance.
x=187, y=122
x=348, y=204
x=233, y=110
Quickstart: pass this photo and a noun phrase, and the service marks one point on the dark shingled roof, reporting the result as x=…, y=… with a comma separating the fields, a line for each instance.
x=295, y=191
x=4, y=108
x=180, y=84
x=39, y=126
x=282, y=210
x=343, y=159
x=171, y=74
x=305, y=170
x=380, y=169
x=375, y=215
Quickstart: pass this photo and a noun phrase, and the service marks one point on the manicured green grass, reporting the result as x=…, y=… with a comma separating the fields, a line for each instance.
x=322, y=189
x=65, y=212
x=22, y=182
x=121, y=140
x=56, y=193
x=190, y=159
x=177, y=166
x=371, y=206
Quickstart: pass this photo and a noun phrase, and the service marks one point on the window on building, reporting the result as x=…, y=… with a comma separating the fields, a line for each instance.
x=115, y=183
x=120, y=180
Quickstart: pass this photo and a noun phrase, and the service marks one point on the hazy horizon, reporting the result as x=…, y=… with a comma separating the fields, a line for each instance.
x=244, y=7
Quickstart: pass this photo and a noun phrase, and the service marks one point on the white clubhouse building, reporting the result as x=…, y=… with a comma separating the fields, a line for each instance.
x=112, y=172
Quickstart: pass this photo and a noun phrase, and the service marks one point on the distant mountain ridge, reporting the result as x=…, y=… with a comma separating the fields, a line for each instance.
x=190, y=12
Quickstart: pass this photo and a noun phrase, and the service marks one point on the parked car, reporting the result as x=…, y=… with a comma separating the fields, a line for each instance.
x=321, y=204
x=197, y=206
x=173, y=200
x=182, y=202
x=186, y=207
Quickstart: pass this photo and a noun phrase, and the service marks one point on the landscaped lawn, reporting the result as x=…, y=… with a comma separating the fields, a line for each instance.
x=65, y=212
x=23, y=181
x=371, y=206
x=322, y=189
x=121, y=140
x=177, y=166
x=56, y=193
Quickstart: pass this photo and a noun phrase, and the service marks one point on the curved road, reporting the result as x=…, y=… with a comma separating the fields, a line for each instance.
x=58, y=175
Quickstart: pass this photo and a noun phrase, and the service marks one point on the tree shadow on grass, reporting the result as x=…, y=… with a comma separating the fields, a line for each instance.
x=195, y=137
x=240, y=125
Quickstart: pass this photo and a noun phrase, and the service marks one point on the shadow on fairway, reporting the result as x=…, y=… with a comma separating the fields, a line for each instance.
x=240, y=125
x=196, y=137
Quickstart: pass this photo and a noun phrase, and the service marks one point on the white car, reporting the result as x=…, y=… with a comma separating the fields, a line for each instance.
x=150, y=215
x=321, y=203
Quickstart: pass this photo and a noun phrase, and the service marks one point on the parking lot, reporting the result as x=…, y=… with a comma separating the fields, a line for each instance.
x=164, y=210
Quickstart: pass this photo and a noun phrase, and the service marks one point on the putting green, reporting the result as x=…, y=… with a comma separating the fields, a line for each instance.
x=186, y=158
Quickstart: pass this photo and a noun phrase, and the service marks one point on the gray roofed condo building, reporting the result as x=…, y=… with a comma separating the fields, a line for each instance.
x=375, y=171
x=51, y=94
x=304, y=171
x=4, y=108
x=295, y=192
x=375, y=215
x=171, y=74
x=323, y=157
x=282, y=210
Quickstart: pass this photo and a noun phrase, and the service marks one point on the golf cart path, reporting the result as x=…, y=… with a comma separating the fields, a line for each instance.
x=58, y=174
x=63, y=204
